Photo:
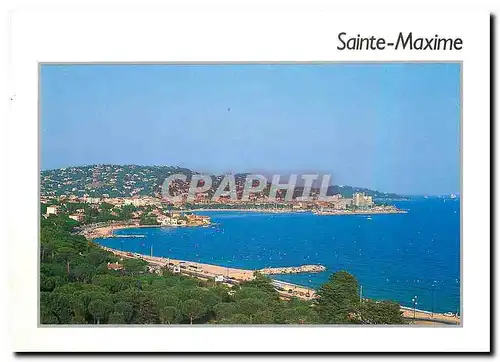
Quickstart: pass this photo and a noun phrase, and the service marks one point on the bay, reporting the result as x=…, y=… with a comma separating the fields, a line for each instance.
x=393, y=256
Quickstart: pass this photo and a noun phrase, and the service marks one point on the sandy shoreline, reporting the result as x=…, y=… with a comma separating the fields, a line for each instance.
x=285, y=289
x=94, y=232
x=210, y=271
x=264, y=211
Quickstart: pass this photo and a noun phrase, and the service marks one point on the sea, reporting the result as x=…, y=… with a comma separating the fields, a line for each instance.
x=400, y=257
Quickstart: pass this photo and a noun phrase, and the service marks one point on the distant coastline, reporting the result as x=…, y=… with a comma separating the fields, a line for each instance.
x=99, y=230
x=300, y=211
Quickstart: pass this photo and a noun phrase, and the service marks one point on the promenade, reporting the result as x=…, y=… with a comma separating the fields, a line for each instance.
x=211, y=271
x=234, y=276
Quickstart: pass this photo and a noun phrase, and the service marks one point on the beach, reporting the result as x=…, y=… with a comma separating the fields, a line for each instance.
x=107, y=230
x=211, y=269
x=286, y=290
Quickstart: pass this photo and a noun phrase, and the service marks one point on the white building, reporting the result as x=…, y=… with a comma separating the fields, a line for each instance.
x=52, y=210
x=76, y=217
x=92, y=200
x=164, y=220
x=136, y=202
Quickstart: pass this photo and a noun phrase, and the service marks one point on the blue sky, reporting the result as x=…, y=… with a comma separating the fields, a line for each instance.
x=390, y=127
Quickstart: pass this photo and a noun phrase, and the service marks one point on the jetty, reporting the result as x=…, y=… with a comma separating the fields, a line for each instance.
x=359, y=212
x=210, y=271
x=293, y=270
x=126, y=236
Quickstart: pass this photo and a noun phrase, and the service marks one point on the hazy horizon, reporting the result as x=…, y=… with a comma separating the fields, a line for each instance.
x=389, y=127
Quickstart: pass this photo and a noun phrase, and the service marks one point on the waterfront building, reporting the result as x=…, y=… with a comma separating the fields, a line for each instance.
x=193, y=219
x=164, y=220
x=342, y=204
x=361, y=200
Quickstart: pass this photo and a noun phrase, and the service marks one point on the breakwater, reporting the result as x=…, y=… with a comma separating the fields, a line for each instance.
x=293, y=270
x=126, y=236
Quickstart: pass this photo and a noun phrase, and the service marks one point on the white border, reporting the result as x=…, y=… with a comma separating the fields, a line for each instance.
x=226, y=33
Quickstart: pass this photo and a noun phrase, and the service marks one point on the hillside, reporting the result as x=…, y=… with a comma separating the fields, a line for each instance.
x=134, y=180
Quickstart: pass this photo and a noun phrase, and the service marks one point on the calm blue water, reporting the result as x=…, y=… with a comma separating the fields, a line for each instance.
x=393, y=256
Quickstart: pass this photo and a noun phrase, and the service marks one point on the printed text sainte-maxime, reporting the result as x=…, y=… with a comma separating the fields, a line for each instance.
x=404, y=41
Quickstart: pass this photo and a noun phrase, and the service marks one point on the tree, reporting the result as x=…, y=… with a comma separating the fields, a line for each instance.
x=46, y=317
x=289, y=316
x=78, y=307
x=112, y=283
x=255, y=293
x=209, y=299
x=125, y=309
x=107, y=206
x=169, y=314
x=383, y=312
x=237, y=319
x=47, y=284
x=166, y=306
x=261, y=282
x=192, y=309
x=77, y=319
x=134, y=266
x=263, y=317
x=83, y=272
x=338, y=299
x=96, y=256
x=66, y=254
x=116, y=318
x=97, y=309
x=146, y=309
x=224, y=310
x=59, y=306
x=250, y=307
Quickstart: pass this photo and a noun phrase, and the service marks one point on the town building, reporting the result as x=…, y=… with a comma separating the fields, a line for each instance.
x=52, y=210
x=361, y=200
x=341, y=204
x=164, y=220
x=114, y=266
x=77, y=217
x=193, y=219
x=92, y=200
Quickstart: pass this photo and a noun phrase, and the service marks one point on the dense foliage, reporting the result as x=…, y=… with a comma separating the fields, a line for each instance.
x=77, y=287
